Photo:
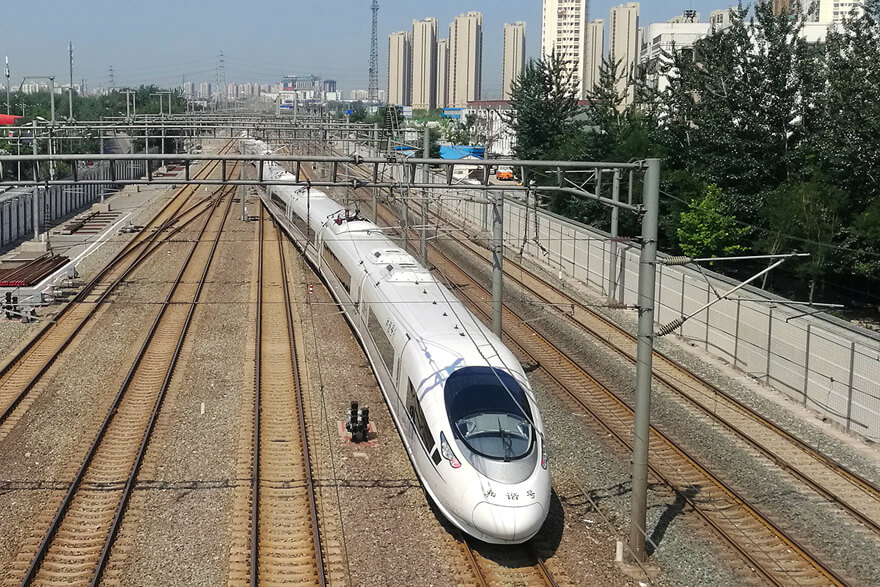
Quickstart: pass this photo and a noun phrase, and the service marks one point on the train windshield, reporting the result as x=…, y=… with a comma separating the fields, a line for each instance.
x=489, y=412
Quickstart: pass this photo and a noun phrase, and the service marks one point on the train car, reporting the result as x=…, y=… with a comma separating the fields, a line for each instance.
x=459, y=398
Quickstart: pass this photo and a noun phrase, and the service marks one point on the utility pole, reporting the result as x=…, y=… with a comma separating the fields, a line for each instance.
x=70, y=89
x=644, y=360
x=497, y=262
x=7, y=84
x=426, y=178
x=36, y=196
x=128, y=95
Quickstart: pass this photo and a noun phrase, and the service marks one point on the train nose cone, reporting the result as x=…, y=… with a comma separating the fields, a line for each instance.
x=509, y=524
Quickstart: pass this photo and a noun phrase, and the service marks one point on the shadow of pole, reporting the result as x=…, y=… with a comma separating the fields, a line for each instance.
x=672, y=511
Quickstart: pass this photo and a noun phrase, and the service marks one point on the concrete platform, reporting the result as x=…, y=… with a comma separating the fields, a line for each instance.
x=96, y=227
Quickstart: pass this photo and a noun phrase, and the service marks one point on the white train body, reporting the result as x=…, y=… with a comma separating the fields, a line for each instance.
x=460, y=399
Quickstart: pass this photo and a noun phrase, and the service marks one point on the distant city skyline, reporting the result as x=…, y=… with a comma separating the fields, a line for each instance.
x=167, y=43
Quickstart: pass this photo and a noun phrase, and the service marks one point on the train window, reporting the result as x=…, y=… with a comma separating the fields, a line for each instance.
x=338, y=270
x=383, y=343
x=489, y=412
x=418, y=417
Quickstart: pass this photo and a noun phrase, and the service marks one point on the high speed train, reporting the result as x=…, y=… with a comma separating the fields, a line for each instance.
x=459, y=398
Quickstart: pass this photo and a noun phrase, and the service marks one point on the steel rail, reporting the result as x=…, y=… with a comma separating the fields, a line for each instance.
x=527, y=550
x=298, y=394
x=148, y=432
x=846, y=474
x=828, y=573
x=255, y=506
x=144, y=245
x=43, y=548
x=791, y=543
x=478, y=572
x=310, y=483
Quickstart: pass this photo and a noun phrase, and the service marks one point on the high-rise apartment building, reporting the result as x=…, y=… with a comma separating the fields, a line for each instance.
x=624, y=46
x=205, y=91
x=465, y=59
x=442, y=73
x=424, y=64
x=514, y=56
x=593, y=54
x=564, y=32
x=399, y=68
x=831, y=11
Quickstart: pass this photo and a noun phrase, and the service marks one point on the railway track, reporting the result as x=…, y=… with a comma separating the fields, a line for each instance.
x=77, y=543
x=511, y=565
x=851, y=492
x=841, y=486
x=779, y=558
x=20, y=374
x=285, y=535
x=506, y=565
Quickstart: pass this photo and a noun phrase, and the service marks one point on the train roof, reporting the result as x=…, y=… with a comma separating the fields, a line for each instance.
x=426, y=306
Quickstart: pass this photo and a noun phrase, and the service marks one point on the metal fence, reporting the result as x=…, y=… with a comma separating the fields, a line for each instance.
x=18, y=206
x=820, y=361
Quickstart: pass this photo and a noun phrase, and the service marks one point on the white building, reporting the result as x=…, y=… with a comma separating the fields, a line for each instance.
x=661, y=38
x=594, y=53
x=564, y=32
x=465, y=59
x=833, y=11
x=500, y=139
x=399, y=64
x=624, y=46
x=424, y=64
x=720, y=19
x=442, y=100
x=514, y=56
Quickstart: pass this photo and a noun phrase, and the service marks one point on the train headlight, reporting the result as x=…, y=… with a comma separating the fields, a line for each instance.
x=446, y=452
x=545, y=460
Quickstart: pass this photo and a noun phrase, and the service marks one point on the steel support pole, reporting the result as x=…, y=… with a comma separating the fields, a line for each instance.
x=497, y=262
x=426, y=178
x=36, y=196
x=52, y=98
x=70, y=89
x=8, y=105
x=615, y=214
x=36, y=213
x=243, y=194
x=644, y=357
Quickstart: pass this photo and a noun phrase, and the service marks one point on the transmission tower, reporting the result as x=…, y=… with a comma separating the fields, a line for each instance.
x=373, y=91
x=221, y=79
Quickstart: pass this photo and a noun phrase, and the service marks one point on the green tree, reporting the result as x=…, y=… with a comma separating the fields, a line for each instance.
x=812, y=212
x=706, y=231
x=736, y=108
x=846, y=144
x=544, y=105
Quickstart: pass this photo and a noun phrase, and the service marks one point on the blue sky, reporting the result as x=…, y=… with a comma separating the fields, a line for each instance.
x=161, y=41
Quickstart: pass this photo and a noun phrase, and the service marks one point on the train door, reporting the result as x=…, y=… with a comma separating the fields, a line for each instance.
x=420, y=434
